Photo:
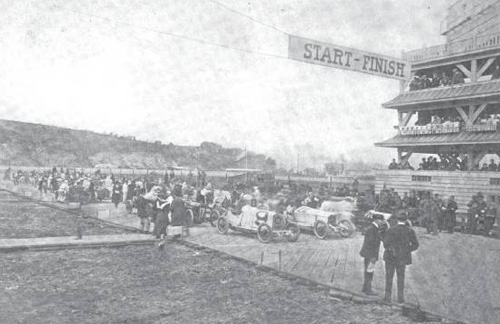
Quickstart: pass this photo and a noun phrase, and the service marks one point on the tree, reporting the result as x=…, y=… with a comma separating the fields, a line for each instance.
x=270, y=164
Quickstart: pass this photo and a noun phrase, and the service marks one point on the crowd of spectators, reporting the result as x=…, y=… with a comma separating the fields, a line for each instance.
x=443, y=79
x=72, y=185
x=450, y=162
x=423, y=81
x=394, y=165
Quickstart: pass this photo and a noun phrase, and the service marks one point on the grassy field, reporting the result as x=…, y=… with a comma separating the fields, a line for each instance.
x=176, y=285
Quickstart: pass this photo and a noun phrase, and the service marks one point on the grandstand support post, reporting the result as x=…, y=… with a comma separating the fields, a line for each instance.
x=473, y=71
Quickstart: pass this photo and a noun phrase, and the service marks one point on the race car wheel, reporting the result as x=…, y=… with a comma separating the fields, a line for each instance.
x=320, y=229
x=189, y=217
x=222, y=225
x=214, y=216
x=129, y=206
x=294, y=232
x=264, y=233
x=345, y=228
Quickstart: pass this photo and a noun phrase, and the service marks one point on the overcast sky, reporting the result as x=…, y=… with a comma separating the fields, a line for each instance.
x=106, y=66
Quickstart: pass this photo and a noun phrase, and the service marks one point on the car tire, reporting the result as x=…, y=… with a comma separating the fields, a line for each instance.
x=222, y=225
x=345, y=228
x=214, y=216
x=189, y=217
x=264, y=233
x=320, y=229
x=295, y=232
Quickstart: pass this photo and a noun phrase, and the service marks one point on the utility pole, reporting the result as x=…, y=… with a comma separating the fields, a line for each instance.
x=297, y=171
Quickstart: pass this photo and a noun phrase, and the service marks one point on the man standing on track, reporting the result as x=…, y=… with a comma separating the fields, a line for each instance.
x=370, y=250
x=399, y=242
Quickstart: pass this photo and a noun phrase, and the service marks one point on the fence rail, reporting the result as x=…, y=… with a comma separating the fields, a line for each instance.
x=458, y=47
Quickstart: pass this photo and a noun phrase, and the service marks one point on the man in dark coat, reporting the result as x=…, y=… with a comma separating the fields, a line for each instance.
x=178, y=212
x=370, y=250
x=399, y=242
x=450, y=214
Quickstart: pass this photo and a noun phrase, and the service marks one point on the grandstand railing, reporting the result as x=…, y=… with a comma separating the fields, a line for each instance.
x=458, y=47
x=448, y=128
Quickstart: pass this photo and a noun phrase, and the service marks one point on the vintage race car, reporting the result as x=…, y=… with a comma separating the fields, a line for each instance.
x=266, y=224
x=321, y=222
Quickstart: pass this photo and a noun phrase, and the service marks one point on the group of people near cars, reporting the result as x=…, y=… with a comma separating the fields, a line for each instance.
x=438, y=214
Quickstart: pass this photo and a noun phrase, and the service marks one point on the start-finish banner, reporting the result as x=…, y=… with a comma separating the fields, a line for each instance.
x=311, y=51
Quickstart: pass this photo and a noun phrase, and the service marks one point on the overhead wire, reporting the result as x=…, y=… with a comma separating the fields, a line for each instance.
x=170, y=34
x=248, y=17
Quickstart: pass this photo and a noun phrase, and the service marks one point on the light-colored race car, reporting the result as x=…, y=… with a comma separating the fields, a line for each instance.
x=322, y=222
x=266, y=224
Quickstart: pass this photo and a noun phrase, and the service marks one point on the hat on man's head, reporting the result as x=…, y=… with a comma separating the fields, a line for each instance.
x=402, y=216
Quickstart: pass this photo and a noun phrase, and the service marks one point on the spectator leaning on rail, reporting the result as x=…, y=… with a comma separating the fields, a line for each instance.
x=399, y=242
x=370, y=251
x=394, y=165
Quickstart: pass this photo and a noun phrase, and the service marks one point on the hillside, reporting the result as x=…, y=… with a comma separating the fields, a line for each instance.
x=41, y=145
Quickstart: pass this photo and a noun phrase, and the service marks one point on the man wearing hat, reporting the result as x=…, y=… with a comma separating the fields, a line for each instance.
x=370, y=250
x=475, y=206
x=399, y=242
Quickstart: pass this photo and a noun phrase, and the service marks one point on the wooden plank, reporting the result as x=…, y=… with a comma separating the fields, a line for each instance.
x=464, y=70
x=485, y=66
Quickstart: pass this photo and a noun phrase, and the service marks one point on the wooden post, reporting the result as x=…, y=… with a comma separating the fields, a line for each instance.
x=262, y=258
x=473, y=71
x=279, y=260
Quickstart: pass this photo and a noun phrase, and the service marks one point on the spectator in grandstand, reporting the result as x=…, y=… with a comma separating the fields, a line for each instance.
x=436, y=81
x=415, y=83
x=394, y=165
x=457, y=77
x=484, y=167
x=425, y=82
x=407, y=166
x=423, y=165
x=445, y=80
x=496, y=73
x=492, y=166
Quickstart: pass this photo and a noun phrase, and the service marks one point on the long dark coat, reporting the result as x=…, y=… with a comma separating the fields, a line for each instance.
x=178, y=212
x=371, y=243
x=162, y=222
x=399, y=242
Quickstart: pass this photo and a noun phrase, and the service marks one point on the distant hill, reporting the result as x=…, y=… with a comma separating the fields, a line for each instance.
x=41, y=145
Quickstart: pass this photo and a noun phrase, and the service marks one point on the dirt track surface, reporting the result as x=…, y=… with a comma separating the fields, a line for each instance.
x=177, y=285
x=20, y=218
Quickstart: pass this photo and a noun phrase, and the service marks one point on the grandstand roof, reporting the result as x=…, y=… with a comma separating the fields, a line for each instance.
x=462, y=138
x=464, y=91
